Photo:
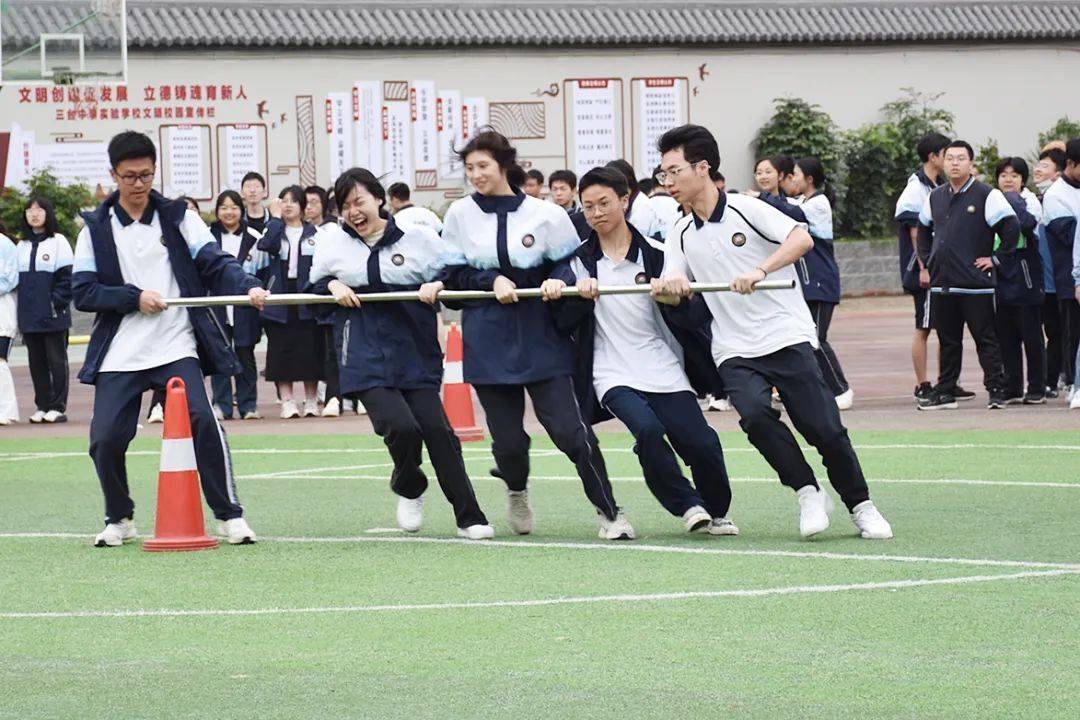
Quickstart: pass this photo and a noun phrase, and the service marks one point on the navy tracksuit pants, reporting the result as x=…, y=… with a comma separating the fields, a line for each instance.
x=117, y=399
x=650, y=417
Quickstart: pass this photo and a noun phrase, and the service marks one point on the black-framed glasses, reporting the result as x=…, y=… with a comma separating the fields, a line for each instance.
x=145, y=178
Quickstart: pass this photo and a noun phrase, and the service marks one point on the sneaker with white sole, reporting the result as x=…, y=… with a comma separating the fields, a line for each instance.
x=814, y=508
x=218, y=414
x=360, y=409
x=156, y=416
x=311, y=408
x=55, y=416
x=696, y=518
x=871, y=523
x=115, y=534
x=476, y=532
x=236, y=531
x=846, y=399
x=332, y=408
x=1074, y=404
x=289, y=410
x=37, y=417
x=252, y=415
x=723, y=526
x=720, y=405
x=617, y=529
x=519, y=512
x=410, y=514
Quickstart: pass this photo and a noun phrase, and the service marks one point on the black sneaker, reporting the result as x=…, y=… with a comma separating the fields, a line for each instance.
x=1035, y=398
x=923, y=392
x=996, y=402
x=961, y=394
x=1051, y=393
x=938, y=401
x=1014, y=400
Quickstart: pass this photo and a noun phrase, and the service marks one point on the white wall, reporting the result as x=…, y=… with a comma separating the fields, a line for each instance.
x=1008, y=92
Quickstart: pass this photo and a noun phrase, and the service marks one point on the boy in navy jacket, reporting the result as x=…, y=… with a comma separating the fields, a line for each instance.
x=138, y=248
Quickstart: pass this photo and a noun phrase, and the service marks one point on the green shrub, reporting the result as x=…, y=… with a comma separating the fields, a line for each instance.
x=68, y=199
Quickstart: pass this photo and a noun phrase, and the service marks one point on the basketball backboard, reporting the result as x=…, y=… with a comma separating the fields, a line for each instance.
x=63, y=42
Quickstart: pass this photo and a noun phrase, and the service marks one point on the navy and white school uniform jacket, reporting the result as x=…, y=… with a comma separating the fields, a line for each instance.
x=1061, y=219
x=274, y=275
x=386, y=344
x=908, y=207
x=688, y=324
x=197, y=262
x=957, y=227
x=818, y=272
x=1020, y=273
x=44, y=284
x=9, y=282
x=245, y=321
x=527, y=241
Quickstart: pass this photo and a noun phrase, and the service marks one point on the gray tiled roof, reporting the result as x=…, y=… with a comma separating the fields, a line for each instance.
x=416, y=23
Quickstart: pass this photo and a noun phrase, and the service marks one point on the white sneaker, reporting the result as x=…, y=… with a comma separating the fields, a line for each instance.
x=38, y=417
x=617, y=529
x=218, y=415
x=289, y=410
x=236, y=531
x=360, y=409
x=696, y=518
x=518, y=512
x=55, y=416
x=4, y=422
x=723, y=526
x=814, y=508
x=477, y=532
x=156, y=416
x=311, y=408
x=332, y=408
x=845, y=400
x=115, y=534
x=1074, y=404
x=720, y=405
x=410, y=514
x=871, y=523
x=252, y=415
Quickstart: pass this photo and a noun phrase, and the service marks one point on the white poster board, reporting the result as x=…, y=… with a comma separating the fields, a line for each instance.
x=76, y=162
x=339, y=128
x=187, y=152
x=475, y=115
x=20, y=158
x=595, y=134
x=451, y=134
x=397, y=150
x=660, y=105
x=243, y=151
x=367, y=125
x=425, y=127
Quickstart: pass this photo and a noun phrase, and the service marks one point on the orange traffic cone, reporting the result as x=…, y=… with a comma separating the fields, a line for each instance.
x=179, y=525
x=457, y=394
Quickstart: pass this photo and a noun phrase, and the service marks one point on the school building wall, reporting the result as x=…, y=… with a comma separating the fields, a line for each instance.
x=1008, y=92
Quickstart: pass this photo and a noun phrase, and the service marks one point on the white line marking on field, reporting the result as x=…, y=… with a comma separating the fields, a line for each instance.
x=16, y=456
x=303, y=475
x=382, y=531
x=622, y=547
x=542, y=602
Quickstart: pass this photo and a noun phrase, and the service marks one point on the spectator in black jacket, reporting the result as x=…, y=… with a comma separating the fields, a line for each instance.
x=960, y=221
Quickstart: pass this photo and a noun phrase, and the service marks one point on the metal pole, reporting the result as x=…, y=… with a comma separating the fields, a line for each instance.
x=452, y=295
x=522, y=293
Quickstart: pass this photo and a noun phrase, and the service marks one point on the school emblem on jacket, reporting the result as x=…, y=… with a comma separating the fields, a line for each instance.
x=528, y=241
x=641, y=278
x=398, y=259
x=45, y=257
x=311, y=241
x=738, y=239
x=971, y=209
